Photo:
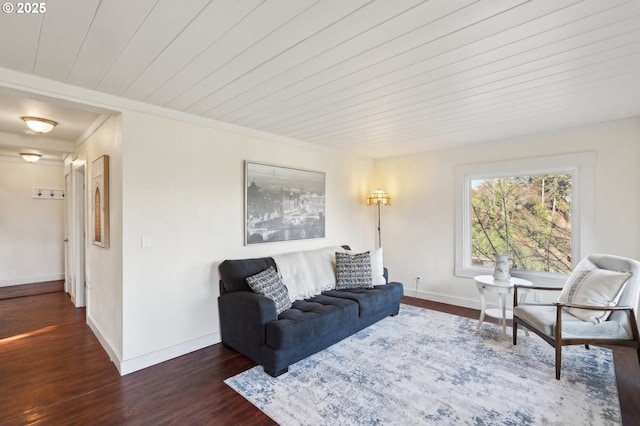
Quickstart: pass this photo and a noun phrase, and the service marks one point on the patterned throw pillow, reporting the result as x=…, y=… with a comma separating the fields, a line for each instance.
x=590, y=285
x=353, y=270
x=377, y=267
x=269, y=284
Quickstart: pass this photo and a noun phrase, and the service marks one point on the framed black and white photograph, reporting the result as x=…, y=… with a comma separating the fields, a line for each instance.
x=283, y=203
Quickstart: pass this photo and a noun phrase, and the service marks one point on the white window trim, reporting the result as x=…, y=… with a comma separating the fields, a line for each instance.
x=581, y=167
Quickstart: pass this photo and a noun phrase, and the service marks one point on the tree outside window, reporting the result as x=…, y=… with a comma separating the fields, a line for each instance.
x=525, y=217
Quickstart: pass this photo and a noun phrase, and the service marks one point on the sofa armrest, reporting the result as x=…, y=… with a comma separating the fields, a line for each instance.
x=243, y=316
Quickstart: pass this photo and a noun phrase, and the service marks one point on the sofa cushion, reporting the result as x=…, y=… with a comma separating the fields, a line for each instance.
x=370, y=300
x=234, y=273
x=310, y=319
x=353, y=270
x=269, y=284
x=377, y=266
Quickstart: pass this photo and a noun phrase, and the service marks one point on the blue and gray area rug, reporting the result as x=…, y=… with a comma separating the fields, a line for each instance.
x=431, y=368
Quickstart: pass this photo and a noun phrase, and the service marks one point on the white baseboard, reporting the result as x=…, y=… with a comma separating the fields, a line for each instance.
x=147, y=360
x=32, y=280
x=456, y=301
x=106, y=345
x=153, y=358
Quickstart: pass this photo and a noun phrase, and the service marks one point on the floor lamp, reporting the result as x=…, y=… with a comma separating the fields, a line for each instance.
x=379, y=198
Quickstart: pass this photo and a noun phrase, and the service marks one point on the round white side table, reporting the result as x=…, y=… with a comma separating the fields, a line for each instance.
x=503, y=288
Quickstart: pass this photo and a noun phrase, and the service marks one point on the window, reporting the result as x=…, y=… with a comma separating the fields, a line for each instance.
x=538, y=211
x=526, y=217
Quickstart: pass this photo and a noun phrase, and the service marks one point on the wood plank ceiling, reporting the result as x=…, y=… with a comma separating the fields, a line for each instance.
x=374, y=78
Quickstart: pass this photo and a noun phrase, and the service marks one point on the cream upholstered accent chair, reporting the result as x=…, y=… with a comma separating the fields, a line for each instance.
x=597, y=306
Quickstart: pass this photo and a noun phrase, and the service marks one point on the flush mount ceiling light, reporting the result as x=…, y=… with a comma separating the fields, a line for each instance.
x=39, y=125
x=30, y=157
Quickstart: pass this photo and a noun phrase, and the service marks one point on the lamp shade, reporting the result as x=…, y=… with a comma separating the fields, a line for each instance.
x=379, y=198
x=39, y=125
x=30, y=157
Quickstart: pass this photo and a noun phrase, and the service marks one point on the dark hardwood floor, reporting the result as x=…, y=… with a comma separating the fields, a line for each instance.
x=53, y=371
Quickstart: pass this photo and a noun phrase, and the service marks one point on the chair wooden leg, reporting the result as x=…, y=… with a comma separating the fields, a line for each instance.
x=515, y=332
x=558, y=360
x=634, y=330
x=586, y=346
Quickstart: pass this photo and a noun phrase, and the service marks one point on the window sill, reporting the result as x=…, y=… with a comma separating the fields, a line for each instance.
x=538, y=278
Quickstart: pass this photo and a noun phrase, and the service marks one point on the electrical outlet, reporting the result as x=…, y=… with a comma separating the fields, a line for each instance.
x=418, y=279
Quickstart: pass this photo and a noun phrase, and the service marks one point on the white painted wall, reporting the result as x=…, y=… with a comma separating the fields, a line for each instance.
x=183, y=189
x=31, y=230
x=182, y=186
x=418, y=229
x=104, y=265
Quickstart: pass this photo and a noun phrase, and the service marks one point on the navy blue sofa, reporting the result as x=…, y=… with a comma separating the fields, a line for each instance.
x=249, y=323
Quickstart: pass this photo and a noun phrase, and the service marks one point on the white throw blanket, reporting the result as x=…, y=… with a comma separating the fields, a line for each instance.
x=308, y=273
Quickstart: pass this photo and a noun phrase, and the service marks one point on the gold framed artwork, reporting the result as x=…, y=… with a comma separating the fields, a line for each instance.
x=100, y=201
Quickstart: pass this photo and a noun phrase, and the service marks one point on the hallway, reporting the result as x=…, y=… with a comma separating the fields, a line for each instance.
x=54, y=371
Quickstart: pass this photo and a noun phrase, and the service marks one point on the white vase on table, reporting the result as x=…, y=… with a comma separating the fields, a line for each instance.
x=501, y=270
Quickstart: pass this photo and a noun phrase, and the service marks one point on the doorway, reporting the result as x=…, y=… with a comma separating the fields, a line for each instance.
x=68, y=225
x=79, y=235
x=75, y=241
x=81, y=240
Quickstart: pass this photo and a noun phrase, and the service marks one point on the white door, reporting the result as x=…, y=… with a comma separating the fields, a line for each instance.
x=80, y=237
x=68, y=226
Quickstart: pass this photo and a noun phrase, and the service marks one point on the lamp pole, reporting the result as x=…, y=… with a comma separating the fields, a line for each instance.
x=379, y=197
x=379, y=234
